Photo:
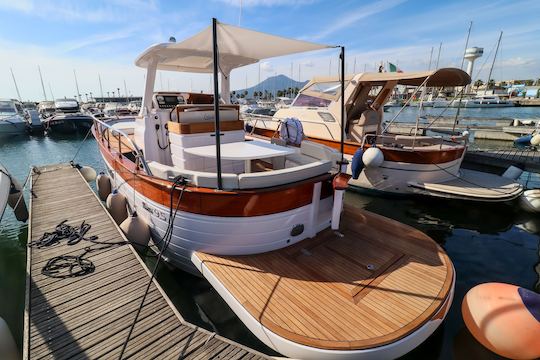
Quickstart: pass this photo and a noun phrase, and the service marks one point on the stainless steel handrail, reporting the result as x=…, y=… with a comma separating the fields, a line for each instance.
x=138, y=152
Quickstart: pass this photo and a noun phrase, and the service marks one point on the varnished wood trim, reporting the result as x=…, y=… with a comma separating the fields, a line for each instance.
x=396, y=155
x=212, y=202
x=204, y=127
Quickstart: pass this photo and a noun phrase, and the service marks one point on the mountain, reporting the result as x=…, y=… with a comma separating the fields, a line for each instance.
x=273, y=84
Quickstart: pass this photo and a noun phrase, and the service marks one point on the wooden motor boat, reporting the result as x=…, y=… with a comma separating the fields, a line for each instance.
x=411, y=164
x=259, y=219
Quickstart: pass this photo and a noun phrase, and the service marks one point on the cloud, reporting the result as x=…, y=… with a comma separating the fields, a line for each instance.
x=98, y=39
x=355, y=15
x=266, y=3
x=266, y=66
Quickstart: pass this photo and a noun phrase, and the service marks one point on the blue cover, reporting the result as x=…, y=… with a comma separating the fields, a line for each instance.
x=357, y=163
x=526, y=139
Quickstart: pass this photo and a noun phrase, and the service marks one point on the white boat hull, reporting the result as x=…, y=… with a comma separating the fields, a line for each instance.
x=223, y=235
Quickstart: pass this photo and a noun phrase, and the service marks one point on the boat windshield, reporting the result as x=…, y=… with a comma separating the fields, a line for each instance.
x=7, y=108
x=329, y=88
x=312, y=101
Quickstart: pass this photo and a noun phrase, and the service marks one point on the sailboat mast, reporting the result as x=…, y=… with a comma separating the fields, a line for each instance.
x=125, y=91
x=100, y=87
x=466, y=45
x=493, y=63
x=16, y=87
x=77, y=85
x=50, y=89
x=438, y=56
x=42, y=86
x=430, y=57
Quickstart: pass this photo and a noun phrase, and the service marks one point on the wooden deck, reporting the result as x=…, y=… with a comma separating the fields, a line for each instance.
x=89, y=316
x=527, y=159
x=378, y=283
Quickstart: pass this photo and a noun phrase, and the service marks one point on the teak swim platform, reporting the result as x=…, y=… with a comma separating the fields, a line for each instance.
x=88, y=317
x=361, y=289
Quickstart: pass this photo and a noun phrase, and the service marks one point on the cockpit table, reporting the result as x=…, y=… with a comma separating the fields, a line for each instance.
x=243, y=150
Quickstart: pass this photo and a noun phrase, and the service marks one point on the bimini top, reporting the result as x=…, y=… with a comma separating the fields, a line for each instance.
x=237, y=47
x=440, y=77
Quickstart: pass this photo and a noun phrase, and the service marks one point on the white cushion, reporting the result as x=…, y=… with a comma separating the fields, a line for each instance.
x=283, y=176
x=192, y=116
x=319, y=151
x=197, y=178
x=298, y=160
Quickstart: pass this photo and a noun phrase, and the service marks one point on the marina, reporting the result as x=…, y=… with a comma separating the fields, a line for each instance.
x=340, y=214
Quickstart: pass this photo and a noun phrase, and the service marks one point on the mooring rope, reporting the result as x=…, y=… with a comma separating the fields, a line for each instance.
x=165, y=240
x=66, y=266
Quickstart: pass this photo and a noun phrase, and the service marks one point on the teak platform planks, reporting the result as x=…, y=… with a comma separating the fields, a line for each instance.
x=375, y=285
x=89, y=316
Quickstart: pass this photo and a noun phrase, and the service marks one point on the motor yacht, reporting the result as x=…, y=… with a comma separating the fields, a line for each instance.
x=263, y=221
x=12, y=118
x=483, y=101
x=406, y=164
x=67, y=118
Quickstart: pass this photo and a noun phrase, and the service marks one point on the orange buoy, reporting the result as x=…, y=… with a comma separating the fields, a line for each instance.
x=504, y=318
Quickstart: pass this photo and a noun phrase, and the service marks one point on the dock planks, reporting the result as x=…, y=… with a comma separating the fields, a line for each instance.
x=89, y=316
x=527, y=159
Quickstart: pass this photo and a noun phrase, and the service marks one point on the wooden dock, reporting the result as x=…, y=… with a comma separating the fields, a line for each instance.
x=89, y=316
x=526, y=159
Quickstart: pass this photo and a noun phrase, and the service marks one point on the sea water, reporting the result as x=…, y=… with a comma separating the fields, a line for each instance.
x=486, y=242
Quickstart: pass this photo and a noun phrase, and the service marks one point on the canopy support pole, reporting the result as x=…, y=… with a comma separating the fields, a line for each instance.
x=216, y=104
x=342, y=144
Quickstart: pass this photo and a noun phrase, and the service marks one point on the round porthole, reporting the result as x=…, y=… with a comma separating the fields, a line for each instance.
x=297, y=230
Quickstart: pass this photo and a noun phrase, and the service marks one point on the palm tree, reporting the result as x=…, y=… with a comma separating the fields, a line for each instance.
x=491, y=83
x=478, y=83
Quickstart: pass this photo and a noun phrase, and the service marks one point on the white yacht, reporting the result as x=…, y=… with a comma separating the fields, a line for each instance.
x=12, y=118
x=483, y=101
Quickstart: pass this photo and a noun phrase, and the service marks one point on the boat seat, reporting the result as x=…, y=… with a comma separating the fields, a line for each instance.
x=367, y=123
x=197, y=178
x=319, y=151
x=283, y=176
x=298, y=159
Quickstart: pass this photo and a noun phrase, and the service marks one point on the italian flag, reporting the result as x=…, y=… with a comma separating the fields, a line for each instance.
x=394, y=68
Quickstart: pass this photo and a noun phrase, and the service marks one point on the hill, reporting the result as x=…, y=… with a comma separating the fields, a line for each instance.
x=272, y=85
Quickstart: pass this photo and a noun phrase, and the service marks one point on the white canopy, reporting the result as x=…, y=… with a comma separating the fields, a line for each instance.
x=237, y=47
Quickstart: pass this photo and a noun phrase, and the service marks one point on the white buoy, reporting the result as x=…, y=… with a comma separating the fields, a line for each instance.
x=88, y=173
x=136, y=230
x=116, y=204
x=465, y=134
x=512, y=172
x=103, y=185
x=530, y=200
x=8, y=348
x=373, y=157
x=535, y=140
x=16, y=200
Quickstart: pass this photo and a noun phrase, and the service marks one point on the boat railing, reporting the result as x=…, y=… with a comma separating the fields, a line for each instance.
x=105, y=132
x=411, y=142
x=253, y=119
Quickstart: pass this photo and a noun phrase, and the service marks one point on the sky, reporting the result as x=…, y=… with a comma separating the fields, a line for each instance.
x=102, y=38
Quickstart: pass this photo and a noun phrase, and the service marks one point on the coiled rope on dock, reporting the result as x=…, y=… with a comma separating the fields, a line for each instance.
x=67, y=266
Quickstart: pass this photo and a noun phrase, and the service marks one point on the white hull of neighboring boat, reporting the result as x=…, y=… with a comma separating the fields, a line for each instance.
x=299, y=351
x=530, y=200
x=5, y=185
x=222, y=235
x=12, y=127
x=442, y=180
x=394, y=177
